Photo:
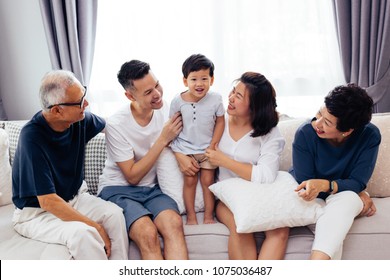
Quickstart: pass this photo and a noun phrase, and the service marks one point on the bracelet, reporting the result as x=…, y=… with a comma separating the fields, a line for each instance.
x=367, y=193
x=331, y=187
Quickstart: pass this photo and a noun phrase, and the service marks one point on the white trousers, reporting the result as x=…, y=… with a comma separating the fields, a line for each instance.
x=83, y=241
x=334, y=224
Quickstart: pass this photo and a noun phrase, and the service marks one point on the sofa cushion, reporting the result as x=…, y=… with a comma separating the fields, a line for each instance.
x=288, y=128
x=16, y=247
x=261, y=207
x=369, y=237
x=379, y=184
x=13, y=129
x=171, y=182
x=95, y=157
x=5, y=170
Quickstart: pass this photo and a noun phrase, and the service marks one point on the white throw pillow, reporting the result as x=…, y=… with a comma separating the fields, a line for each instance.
x=262, y=207
x=171, y=182
x=5, y=170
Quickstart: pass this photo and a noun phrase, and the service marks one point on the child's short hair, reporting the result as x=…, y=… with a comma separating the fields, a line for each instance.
x=197, y=62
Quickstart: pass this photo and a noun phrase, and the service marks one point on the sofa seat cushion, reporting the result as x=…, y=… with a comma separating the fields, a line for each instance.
x=16, y=247
x=369, y=237
x=299, y=244
x=210, y=242
x=376, y=224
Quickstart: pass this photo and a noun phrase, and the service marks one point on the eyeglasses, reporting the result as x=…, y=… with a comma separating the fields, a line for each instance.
x=80, y=104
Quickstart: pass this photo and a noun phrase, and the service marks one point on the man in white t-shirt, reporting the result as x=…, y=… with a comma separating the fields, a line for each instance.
x=135, y=136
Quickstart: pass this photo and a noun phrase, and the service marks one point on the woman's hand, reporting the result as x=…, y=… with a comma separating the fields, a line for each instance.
x=369, y=208
x=188, y=165
x=310, y=189
x=215, y=156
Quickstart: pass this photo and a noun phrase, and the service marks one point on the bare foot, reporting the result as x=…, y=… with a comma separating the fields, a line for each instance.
x=209, y=221
x=192, y=221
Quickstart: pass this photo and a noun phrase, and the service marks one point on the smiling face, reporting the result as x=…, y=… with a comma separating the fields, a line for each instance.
x=325, y=126
x=198, y=83
x=239, y=101
x=147, y=93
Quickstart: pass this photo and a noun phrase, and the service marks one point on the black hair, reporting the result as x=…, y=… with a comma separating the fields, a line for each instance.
x=130, y=71
x=197, y=62
x=351, y=105
x=262, y=103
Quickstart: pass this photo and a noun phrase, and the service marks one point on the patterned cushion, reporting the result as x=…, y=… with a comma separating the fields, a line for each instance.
x=13, y=129
x=95, y=157
x=5, y=170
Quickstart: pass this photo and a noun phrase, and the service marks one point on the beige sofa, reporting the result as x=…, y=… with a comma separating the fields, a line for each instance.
x=369, y=238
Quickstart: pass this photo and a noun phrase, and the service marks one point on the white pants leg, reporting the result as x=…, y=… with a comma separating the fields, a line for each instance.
x=332, y=227
x=111, y=217
x=83, y=241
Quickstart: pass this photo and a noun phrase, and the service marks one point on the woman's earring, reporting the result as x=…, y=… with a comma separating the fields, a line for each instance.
x=343, y=134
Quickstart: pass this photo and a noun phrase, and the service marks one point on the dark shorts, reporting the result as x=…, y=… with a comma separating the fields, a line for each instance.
x=137, y=201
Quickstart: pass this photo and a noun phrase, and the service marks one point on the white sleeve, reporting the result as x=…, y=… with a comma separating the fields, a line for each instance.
x=118, y=148
x=267, y=166
x=220, y=109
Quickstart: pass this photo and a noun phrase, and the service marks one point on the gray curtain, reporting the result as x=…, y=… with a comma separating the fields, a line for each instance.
x=70, y=27
x=363, y=28
x=3, y=115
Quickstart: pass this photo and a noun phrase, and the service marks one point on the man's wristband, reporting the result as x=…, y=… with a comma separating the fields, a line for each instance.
x=331, y=187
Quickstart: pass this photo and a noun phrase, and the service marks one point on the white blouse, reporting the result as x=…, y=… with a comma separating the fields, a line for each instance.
x=262, y=152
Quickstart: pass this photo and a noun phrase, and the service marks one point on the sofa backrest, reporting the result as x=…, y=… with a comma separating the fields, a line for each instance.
x=378, y=186
x=287, y=129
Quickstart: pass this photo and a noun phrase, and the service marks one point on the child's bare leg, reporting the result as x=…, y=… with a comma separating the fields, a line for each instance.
x=189, y=192
x=206, y=179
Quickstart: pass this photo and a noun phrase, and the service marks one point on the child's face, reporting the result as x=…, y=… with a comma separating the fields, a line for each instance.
x=198, y=83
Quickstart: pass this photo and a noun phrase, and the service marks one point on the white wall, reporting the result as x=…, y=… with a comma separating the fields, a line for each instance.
x=24, y=57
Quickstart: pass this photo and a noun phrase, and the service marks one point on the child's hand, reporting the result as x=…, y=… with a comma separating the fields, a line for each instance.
x=188, y=165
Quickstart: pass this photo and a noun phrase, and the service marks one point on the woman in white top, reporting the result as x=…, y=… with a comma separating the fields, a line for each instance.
x=250, y=148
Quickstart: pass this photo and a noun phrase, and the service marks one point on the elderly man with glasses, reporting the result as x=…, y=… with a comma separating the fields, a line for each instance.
x=51, y=198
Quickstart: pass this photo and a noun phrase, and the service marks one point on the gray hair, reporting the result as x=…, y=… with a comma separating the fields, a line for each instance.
x=54, y=85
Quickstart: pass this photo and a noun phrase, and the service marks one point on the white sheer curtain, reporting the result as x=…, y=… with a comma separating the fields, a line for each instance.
x=293, y=43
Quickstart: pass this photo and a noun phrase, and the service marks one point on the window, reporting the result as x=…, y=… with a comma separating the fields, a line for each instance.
x=293, y=43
